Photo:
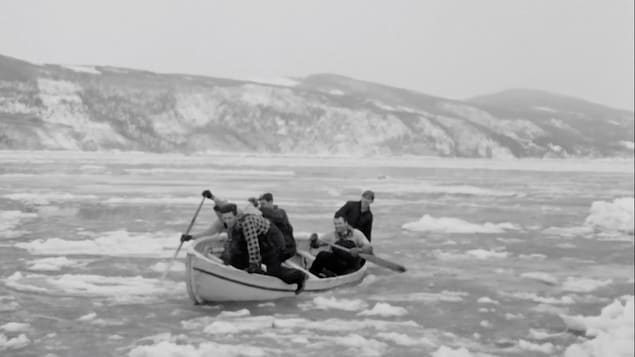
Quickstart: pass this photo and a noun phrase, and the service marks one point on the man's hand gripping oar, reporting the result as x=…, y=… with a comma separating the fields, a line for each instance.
x=189, y=228
x=370, y=257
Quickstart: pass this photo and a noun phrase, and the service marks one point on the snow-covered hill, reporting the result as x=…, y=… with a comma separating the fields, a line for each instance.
x=102, y=108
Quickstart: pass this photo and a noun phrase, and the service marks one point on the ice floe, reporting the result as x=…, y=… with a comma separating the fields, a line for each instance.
x=546, y=278
x=114, y=243
x=584, y=285
x=176, y=266
x=606, y=220
x=546, y=348
x=15, y=343
x=10, y=220
x=172, y=349
x=330, y=302
x=54, y=264
x=445, y=351
x=384, y=310
x=217, y=325
x=428, y=223
x=487, y=300
x=390, y=188
x=610, y=334
x=445, y=296
x=116, y=288
x=481, y=254
x=15, y=327
x=46, y=198
x=612, y=216
x=404, y=340
x=563, y=300
x=8, y=303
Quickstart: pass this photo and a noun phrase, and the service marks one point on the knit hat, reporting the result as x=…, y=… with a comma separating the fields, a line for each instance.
x=226, y=208
x=266, y=196
x=369, y=194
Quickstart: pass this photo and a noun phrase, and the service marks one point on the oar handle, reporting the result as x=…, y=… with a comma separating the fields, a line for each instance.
x=189, y=228
x=371, y=257
x=344, y=249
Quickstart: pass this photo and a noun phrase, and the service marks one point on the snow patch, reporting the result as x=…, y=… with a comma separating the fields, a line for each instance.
x=276, y=81
x=83, y=69
x=545, y=109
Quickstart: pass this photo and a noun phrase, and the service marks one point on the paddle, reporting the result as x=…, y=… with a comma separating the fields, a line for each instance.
x=370, y=257
x=167, y=269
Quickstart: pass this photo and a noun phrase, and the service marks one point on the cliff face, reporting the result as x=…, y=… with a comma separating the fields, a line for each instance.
x=101, y=108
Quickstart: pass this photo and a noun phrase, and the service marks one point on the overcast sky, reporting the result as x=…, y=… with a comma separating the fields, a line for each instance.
x=449, y=48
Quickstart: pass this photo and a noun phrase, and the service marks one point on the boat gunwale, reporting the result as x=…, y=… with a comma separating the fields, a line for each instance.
x=193, y=254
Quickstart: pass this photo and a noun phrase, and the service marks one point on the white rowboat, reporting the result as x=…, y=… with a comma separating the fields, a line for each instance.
x=209, y=280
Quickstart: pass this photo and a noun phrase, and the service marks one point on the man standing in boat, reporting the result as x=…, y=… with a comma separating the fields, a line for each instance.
x=358, y=214
x=279, y=217
x=335, y=261
x=251, y=241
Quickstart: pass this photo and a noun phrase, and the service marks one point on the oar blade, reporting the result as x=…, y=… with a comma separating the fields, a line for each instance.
x=383, y=262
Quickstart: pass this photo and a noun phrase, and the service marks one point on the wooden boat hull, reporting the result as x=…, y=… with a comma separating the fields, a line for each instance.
x=209, y=280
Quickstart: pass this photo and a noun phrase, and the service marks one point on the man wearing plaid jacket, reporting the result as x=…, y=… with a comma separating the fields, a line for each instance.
x=252, y=240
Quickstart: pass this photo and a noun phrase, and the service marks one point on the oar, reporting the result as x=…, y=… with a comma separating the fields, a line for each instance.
x=167, y=269
x=370, y=257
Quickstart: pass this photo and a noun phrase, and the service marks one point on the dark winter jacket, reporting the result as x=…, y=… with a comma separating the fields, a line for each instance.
x=279, y=218
x=363, y=221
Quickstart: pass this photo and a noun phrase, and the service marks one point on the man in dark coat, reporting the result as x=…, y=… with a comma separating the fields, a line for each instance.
x=279, y=218
x=358, y=214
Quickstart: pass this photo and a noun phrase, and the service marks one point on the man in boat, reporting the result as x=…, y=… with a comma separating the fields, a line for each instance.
x=279, y=217
x=334, y=261
x=358, y=214
x=251, y=241
x=218, y=225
